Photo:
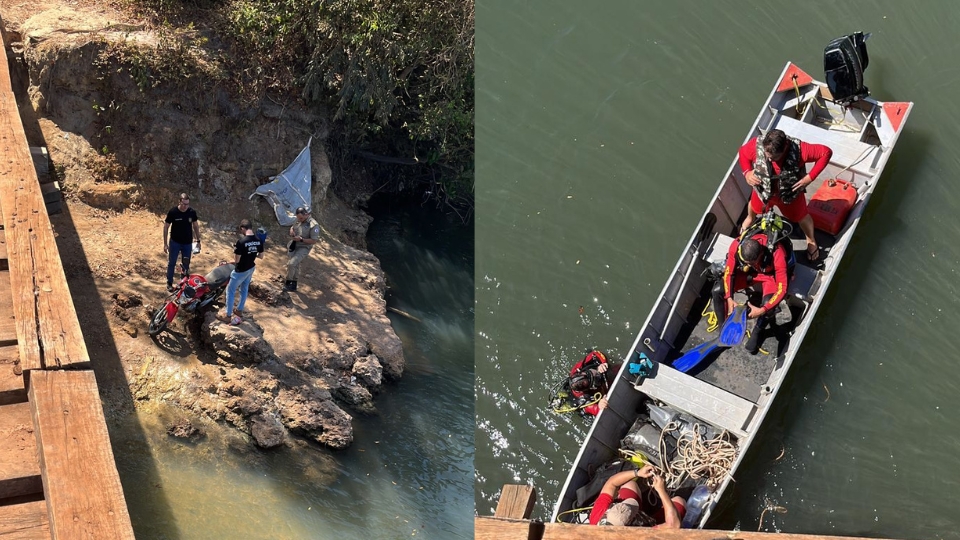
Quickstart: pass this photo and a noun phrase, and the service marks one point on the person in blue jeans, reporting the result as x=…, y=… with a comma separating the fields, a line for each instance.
x=246, y=252
x=183, y=225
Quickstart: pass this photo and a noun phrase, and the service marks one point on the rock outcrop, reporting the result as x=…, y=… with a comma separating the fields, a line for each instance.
x=123, y=147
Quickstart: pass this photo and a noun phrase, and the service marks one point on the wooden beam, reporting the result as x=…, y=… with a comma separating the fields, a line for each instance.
x=19, y=468
x=41, y=162
x=80, y=481
x=24, y=521
x=8, y=324
x=486, y=528
x=12, y=389
x=3, y=249
x=516, y=501
x=48, y=332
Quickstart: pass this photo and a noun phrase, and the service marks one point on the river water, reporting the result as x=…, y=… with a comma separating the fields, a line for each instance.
x=603, y=130
x=409, y=471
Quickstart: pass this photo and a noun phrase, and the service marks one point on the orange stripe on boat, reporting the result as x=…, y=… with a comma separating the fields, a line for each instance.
x=895, y=111
x=793, y=71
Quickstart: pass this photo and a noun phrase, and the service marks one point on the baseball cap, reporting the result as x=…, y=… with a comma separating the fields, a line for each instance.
x=622, y=513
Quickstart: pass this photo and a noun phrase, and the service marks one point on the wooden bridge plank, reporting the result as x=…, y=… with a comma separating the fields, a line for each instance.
x=516, y=501
x=8, y=324
x=48, y=332
x=3, y=248
x=24, y=521
x=12, y=389
x=19, y=468
x=488, y=528
x=80, y=481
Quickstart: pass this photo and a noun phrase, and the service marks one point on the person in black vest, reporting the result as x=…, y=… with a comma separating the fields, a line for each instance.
x=183, y=225
x=775, y=166
x=247, y=250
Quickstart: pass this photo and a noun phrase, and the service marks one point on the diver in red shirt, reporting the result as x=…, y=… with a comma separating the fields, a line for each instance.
x=589, y=377
x=751, y=264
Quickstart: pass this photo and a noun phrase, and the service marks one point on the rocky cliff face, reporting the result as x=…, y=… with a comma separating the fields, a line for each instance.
x=123, y=143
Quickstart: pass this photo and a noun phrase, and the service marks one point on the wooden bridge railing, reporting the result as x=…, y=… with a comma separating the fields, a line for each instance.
x=515, y=506
x=58, y=477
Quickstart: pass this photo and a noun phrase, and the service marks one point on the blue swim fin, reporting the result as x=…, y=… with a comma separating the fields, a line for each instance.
x=734, y=328
x=731, y=334
x=694, y=356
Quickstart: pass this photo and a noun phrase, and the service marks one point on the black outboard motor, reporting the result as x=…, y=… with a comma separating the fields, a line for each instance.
x=844, y=60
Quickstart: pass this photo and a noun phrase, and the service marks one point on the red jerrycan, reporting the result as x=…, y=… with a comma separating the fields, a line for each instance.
x=831, y=205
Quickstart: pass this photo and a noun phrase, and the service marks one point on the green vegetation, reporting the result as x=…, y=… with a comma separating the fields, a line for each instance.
x=397, y=75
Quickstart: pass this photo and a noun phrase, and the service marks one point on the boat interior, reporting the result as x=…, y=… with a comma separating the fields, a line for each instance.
x=852, y=135
x=731, y=389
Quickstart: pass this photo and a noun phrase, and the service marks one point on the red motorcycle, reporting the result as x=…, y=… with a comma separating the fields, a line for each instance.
x=193, y=294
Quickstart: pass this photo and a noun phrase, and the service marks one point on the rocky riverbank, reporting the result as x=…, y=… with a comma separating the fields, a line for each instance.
x=122, y=148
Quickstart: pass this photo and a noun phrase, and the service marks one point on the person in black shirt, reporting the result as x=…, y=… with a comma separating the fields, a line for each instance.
x=247, y=250
x=182, y=224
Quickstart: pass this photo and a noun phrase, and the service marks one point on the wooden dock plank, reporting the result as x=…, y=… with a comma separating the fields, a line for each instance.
x=19, y=468
x=516, y=501
x=12, y=389
x=80, y=480
x=48, y=331
x=24, y=521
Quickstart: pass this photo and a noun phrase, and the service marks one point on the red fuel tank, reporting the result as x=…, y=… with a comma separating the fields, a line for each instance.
x=831, y=204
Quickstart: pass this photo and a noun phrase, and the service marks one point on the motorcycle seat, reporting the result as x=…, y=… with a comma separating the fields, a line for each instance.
x=219, y=275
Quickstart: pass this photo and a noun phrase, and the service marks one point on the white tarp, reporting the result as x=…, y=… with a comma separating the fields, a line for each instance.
x=289, y=189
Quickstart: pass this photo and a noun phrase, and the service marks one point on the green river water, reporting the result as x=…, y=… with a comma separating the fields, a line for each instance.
x=603, y=129
x=408, y=473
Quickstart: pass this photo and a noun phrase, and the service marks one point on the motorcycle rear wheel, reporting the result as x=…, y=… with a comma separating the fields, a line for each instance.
x=158, y=322
x=212, y=297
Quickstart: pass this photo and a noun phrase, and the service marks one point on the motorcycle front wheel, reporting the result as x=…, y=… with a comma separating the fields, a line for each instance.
x=159, y=321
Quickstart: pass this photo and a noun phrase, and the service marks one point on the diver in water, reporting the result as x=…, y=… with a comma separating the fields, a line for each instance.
x=588, y=383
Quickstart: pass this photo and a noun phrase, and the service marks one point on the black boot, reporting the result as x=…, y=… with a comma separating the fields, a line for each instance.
x=290, y=285
x=719, y=302
x=756, y=335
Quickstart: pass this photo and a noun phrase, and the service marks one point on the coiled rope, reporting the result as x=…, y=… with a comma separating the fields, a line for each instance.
x=707, y=461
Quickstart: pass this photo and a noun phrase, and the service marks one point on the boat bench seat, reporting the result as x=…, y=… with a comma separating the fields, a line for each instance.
x=701, y=399
x=847, y=151
x=802, y=285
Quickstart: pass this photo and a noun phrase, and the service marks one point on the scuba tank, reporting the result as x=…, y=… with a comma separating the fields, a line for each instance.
x=777, y=231
x=661, y=416
x=695, y=504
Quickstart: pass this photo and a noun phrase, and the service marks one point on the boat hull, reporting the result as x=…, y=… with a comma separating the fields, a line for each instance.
x=734, y=390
